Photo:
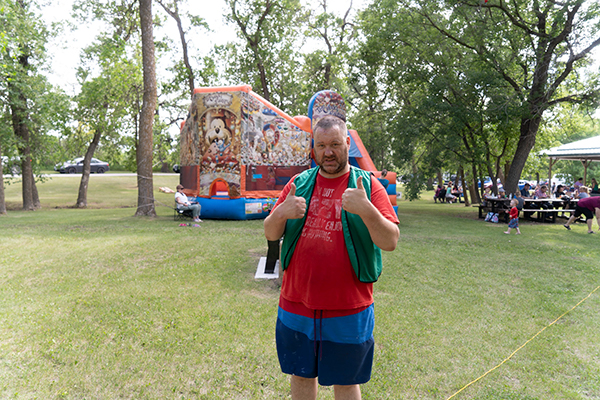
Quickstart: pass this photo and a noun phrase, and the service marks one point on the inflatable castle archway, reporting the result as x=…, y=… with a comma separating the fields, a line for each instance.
x=238, y=151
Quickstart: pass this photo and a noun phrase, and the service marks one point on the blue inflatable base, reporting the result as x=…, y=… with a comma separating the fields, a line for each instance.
x=223, y=207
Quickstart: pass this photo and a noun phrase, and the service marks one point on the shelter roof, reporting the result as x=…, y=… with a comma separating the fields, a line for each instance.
x=586, y=149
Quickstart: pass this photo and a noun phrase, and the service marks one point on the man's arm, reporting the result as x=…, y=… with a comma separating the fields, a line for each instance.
x=384, y=233
x=293, y=207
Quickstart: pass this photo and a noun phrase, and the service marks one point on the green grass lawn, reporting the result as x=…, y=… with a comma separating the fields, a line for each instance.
x=98, y=304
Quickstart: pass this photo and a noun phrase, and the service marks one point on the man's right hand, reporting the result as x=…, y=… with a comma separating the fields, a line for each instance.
x=293, y=207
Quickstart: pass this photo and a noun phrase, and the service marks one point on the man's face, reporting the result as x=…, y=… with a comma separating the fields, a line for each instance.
x=331, y=151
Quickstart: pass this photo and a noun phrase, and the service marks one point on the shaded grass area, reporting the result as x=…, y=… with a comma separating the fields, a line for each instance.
x=97, y=304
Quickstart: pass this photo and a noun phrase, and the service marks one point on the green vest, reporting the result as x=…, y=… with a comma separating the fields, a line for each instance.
x=364, y=255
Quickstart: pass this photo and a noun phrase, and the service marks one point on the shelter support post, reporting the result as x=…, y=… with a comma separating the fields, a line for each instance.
x=585, y=167
x=551, y=163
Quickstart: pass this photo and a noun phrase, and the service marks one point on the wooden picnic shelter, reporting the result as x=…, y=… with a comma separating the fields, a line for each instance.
x=585, y=150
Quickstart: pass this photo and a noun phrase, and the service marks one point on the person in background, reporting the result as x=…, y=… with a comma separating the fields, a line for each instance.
x=583, y=192
x=525, y=191
x=578, y=184
x=440, y=194
x=520, y=201
x=514, y=217
x=594, y=186
x=384, y=181
x=588, y=207
x=449, y=196
x=502, y=193
x=560, y=194
x=542, y=193
x=183, y=203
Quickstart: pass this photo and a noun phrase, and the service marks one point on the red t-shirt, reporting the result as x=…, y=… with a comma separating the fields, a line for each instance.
x=514, y=213
x=320, y=275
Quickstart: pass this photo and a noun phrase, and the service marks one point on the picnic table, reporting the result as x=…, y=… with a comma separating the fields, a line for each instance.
x=547, y=214
x=501, y=206
x=495, y=205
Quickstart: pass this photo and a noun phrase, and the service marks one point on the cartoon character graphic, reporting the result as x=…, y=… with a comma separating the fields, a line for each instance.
x=271, y=136
x=219, y=154
x=218, y=132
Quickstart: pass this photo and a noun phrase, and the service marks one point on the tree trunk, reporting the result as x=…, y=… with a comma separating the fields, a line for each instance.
x=34, y=194
x=19, y=116
x=529, y=129
x=2, y=198
x=461, y=171
x=144, y=147
x=85, y=175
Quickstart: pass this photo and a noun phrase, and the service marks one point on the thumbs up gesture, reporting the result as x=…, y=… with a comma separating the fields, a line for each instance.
x=354, y=200
x=293, y=207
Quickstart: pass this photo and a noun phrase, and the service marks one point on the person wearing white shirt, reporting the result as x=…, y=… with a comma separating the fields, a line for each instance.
x=183, y=203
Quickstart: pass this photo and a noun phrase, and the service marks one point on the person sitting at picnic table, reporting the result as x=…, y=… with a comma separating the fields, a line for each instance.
x=588, y=207
x=520, y=200
x=525, y=191
x=440, y=194
x=594, y=186
x=458, y=192
x=449, y=196
x=501, y=193
x=561, y=194
x=183, y=203
x=583, y=192
x=541, y=193
x=578, y=184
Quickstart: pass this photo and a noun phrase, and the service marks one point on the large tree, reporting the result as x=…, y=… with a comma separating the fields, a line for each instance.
x=537, y=48
x=145, y=146
x=106, y=101
x=26, y=96
x=267, y=58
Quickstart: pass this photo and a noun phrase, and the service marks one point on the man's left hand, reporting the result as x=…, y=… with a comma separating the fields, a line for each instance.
x=355, y=200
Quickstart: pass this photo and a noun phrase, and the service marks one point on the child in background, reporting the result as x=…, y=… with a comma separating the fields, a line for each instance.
x=514, y=217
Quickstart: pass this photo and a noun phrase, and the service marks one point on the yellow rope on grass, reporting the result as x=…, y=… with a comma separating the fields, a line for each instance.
x=524, y=344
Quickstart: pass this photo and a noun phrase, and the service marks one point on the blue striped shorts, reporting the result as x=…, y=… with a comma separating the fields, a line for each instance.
x=337, y=350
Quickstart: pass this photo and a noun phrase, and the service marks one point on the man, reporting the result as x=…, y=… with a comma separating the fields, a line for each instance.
x=183, y=203
x=335, y=219
x=525, y=191
x=588, y=207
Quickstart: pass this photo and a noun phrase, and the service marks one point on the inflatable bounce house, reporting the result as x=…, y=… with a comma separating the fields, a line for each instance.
x=238, y=151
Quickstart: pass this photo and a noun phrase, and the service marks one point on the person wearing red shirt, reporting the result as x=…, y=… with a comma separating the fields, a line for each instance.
x=514, y=217
x=326, y=315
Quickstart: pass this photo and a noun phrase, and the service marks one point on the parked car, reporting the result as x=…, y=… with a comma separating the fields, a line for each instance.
x=76, y=166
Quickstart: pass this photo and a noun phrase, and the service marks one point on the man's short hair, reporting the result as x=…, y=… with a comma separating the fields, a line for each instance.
x=328, y=122
x=179, y=187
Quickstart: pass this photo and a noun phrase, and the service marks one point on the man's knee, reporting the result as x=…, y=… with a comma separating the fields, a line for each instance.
x=347, y=392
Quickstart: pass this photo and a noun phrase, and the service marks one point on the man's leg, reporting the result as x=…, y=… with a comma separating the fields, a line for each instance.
x=303, y=388
x=570, y=221
x=343, y=392
x=589, y=224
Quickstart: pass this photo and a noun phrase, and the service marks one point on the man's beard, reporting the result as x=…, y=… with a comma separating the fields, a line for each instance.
x=333, y=169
